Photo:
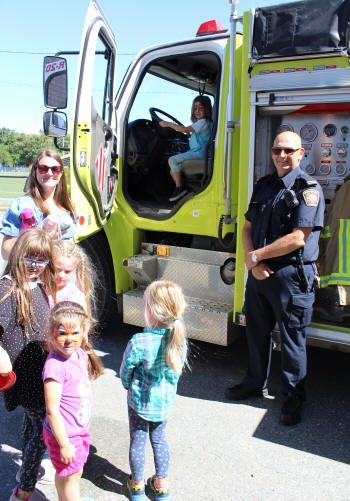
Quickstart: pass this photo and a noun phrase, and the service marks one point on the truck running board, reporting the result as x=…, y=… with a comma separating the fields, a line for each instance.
x=208, y=316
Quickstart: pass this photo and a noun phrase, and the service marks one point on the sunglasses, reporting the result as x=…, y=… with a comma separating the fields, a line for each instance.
x=39, y=264
x=287, y=151
x=44, y=169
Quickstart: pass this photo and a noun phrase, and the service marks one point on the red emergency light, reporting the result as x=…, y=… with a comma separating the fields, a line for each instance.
x=212, y=27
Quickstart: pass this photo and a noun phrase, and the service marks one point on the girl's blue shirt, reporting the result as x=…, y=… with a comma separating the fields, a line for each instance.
x=144, y=372
x=200, y=137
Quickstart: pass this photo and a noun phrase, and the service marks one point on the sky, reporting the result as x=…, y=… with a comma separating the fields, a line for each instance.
x=30, y=30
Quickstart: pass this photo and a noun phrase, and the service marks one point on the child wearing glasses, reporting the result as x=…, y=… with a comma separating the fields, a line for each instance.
x=24, y=312
x=46, y=203
x=200, y=131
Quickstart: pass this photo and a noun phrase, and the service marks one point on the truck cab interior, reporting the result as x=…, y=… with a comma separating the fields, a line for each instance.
x=172, y=83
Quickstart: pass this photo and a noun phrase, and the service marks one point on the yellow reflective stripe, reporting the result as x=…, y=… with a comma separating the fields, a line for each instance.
x=344, y=239
x=334, y=279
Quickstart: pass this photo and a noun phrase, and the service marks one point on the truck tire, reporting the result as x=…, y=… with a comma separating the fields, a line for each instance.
x=104, y=302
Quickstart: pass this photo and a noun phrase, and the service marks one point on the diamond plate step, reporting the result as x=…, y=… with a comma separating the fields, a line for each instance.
x=205, y=320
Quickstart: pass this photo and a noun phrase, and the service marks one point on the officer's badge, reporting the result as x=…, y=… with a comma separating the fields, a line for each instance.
x=311, y=197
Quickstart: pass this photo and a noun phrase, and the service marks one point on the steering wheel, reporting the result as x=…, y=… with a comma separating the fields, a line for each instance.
x=156, y=118
x=164, y=131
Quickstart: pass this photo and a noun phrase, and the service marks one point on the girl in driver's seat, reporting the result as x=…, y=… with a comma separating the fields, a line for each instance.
x=200, y=131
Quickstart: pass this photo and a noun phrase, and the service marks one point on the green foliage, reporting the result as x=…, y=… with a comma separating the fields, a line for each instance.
x=5, y=156
x=17, y=148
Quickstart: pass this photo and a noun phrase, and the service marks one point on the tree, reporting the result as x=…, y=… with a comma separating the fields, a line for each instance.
x=23, y=148
x=5, y=156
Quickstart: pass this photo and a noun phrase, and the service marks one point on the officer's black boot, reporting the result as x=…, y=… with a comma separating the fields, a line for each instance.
x=243, y=391
x=327, y=306
x=292, y=406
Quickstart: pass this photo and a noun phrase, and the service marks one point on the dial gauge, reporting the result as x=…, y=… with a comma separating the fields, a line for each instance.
x=330, y=130
x=308, y=133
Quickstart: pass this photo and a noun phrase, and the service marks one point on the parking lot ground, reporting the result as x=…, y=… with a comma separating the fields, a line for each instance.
x=220, y=450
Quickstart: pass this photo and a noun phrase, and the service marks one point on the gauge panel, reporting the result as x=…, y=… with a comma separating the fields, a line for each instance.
x=325, y=138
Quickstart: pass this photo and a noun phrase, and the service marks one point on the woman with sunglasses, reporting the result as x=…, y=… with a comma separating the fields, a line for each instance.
x=46, y=204
x=24, y=310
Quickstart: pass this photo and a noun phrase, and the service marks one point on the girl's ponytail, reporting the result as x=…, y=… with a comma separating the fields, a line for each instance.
x=95, y=367
x=176, y=351
x=165, y=305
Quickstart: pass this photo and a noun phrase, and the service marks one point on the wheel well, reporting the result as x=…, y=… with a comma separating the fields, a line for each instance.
x=104, y=301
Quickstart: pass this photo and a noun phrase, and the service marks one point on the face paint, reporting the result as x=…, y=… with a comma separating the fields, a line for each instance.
x=68, y=338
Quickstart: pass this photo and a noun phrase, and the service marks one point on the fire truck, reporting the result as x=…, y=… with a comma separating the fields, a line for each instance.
x=284, y=67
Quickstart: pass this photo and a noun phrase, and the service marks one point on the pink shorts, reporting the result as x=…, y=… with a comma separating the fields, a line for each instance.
x=81, y=444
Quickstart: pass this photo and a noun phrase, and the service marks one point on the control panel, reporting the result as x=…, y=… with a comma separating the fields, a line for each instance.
x=326, y=140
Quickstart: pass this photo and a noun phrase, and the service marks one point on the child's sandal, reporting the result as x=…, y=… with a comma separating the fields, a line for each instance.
x=135, y=493
x=159, y=494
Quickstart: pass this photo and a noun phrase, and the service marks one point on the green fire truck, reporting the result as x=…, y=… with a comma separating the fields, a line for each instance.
x=284, y=67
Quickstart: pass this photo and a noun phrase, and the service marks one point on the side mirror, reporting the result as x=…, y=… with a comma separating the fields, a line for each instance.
x=55, y=82
x=55, y=123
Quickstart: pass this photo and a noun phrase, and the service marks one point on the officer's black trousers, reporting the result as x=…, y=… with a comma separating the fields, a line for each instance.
x=280, y=298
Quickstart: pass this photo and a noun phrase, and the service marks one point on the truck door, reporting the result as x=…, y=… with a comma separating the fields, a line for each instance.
x=93, y=142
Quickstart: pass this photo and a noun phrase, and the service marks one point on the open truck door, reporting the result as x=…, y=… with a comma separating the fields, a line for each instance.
x=93, y=174
x=93, y=142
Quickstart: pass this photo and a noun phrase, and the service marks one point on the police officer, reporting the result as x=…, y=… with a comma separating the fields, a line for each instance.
x=280, y=239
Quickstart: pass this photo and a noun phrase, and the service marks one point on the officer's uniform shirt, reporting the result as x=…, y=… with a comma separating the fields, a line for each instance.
x=271, y=217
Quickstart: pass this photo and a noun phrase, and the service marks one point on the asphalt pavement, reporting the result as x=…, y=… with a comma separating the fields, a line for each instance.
x=220, y=450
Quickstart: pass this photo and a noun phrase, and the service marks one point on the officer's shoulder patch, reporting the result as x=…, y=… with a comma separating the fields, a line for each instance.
x=311, y=197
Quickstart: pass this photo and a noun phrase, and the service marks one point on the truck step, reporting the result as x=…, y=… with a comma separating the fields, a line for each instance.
x=205, y=320
x=197, y=271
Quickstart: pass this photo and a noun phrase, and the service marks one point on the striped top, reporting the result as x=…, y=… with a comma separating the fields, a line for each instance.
x=144, y=372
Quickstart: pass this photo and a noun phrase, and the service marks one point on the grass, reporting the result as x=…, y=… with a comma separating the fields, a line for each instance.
x=10, y=188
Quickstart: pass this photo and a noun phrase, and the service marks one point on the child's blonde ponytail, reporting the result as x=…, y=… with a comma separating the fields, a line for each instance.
x=176, y=351
x=165, y=305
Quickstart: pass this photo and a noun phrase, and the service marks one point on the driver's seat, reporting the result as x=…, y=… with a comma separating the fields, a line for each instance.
x=197, y=171
x=194, y=166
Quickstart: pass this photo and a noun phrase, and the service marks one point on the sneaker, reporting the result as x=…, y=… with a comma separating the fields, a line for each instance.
x=242, y=391
x=135, y=493
x=291, y=409
x=159, y=494
x=179, y=192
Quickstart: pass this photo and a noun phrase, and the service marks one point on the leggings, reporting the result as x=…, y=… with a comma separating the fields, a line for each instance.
x=139, y=429
x=33, y=447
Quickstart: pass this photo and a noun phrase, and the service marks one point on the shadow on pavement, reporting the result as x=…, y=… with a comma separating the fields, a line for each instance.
x=104, y=474
x=323, y=430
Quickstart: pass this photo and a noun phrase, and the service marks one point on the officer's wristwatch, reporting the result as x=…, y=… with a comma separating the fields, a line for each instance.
x=254, y=258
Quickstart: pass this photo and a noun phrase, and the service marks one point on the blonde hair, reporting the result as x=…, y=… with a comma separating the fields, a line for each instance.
x=164, y=307
x=61, y=195
x=67, y=311
x=37, y=244
x=83, y=268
